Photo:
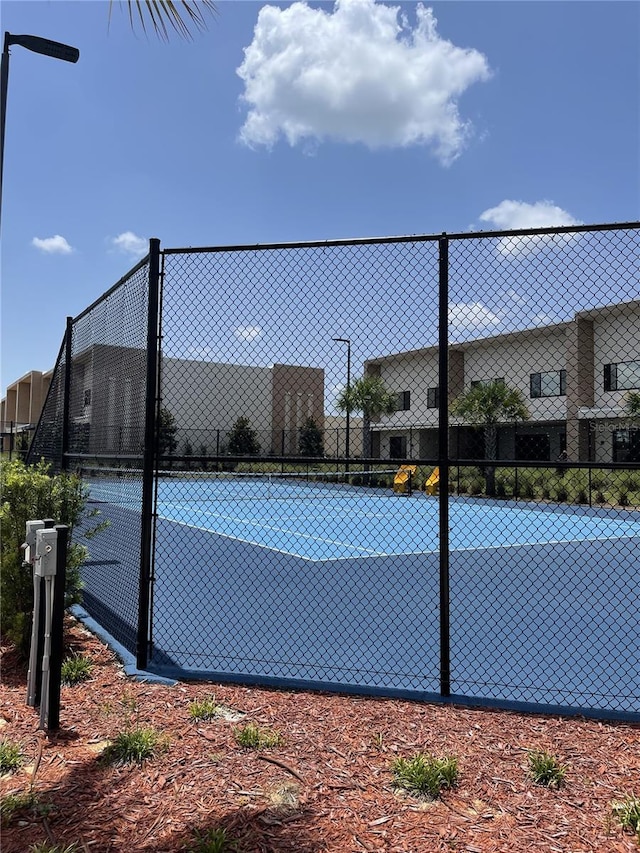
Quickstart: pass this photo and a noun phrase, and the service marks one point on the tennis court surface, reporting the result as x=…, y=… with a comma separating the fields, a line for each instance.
x=322, y=582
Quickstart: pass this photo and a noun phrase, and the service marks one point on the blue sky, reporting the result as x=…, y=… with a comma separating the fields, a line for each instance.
x=290, y=122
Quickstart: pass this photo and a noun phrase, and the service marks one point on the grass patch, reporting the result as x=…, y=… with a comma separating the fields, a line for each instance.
x=424, y=774
x=45, y=847
x=10, y=756
x=627, y=813
x=134, y=746
x=214, y=840
x=545, y=769
x=76, y=669
x=15, y=805
x=203, y=709
x=253, y=737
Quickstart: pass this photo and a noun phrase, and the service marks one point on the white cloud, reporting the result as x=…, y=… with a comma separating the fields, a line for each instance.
x=52, y=245
x=519, y=214
x=358, y=73
x=248, y=333
x=472, y=317
x=130, y=244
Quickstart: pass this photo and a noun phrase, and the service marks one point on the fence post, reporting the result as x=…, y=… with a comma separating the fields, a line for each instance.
x=443, y=462
x=149, y=458
x=66, y=401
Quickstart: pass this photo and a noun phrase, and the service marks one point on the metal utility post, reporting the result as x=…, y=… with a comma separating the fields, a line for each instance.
x=443, y=464
x=46, y=47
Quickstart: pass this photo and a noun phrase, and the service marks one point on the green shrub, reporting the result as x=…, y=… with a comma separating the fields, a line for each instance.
x=253, y=737
x=581, y=497
x=10, y=756
x=133, y=746
x=600, y=498
x=34, y=493
x=75, y=669
x=545, y=769
x=476, y=487
x=424, y=774
x=627, y=812
x=214, y=840
x=562, y=494
x=623, y=498
x=203, y=709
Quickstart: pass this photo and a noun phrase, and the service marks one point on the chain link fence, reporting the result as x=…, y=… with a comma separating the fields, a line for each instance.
x=408, y=466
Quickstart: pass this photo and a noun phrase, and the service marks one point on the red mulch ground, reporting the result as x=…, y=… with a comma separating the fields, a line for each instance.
x=328, y=788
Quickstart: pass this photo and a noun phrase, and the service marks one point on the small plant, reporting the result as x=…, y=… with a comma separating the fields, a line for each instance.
x=581, y=497
x=214, y=840
x=76, y=669
x=627, y=812
x=545, y=769
x=133, y=745
x=476, y=487
x=253, y=737
x=203, y=709
x=10, y=756
x=600, y=498
x=13, y=804
x=424, y=774
x=623, y=498
x=561, y=494
x=45, y=847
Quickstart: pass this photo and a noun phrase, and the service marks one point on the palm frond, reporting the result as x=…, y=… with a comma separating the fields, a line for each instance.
x=181, y=16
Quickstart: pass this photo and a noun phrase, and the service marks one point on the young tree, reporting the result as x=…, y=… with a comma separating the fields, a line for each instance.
x=243, y=439
x=632, y=405
x=310, y=439
x=484, y=407
x=167, y=430
x=370, y=396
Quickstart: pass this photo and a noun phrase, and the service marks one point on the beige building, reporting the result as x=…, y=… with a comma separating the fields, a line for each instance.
x=21, y=407
x=573, y=376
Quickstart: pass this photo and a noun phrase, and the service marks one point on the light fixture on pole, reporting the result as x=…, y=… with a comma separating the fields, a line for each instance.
x=347, y=446
x=46, y=47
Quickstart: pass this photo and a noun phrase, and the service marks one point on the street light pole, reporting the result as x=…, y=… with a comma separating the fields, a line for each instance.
x=347, y=446
x=46, y=47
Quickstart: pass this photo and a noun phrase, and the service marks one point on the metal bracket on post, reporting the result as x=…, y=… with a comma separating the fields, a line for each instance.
x=29, y=549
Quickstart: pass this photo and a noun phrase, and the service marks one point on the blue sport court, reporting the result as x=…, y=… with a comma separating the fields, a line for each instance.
x=323, y=583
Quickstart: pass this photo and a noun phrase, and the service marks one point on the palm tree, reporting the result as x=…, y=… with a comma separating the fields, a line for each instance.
x=485, y=406
x=166, y=15
x=370, y=396
x=632, y=405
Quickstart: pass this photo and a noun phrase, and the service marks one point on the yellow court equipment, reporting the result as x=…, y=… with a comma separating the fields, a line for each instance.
x=432, y=483
x=403, y=480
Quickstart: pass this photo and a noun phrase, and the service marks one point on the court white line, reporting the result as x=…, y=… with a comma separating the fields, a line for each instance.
x=367, y=551
x=372, y=553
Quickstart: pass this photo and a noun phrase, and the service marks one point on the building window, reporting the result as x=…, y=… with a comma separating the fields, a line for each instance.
x=403, y=401
x=433, y=398
x=87, y=397
x=626, y=445
x=398, y=447
x=553, y=383
x=623, y=376
x=479, y=383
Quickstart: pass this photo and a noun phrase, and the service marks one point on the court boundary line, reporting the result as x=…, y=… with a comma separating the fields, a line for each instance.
x=377, y=554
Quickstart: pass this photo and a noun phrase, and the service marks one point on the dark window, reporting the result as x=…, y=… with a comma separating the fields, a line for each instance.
x=403, y=401
x=398, y=447
x=87, y=397
x=553, y=383
x=433, y=398
x=623, y=376
x=626, y=445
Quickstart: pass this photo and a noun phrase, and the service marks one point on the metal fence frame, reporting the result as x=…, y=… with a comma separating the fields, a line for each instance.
x=64, y=459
